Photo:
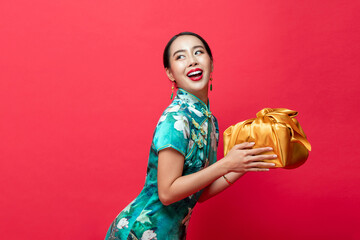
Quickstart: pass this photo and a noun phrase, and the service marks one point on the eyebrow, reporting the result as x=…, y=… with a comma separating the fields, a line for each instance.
x=182, y=50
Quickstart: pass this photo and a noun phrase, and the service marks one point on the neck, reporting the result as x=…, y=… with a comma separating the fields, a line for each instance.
x=203, y=96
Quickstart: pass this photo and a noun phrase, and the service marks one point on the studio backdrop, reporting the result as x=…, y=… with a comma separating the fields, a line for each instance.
x=82, y=87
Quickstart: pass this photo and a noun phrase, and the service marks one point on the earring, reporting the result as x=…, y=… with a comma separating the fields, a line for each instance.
x=172, y=89
x=210, y=83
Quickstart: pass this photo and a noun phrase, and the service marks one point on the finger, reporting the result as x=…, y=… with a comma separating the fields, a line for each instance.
x=261, y=157
x=257, y=169
x=261, y=164
x=256, y=151
x=244, y=145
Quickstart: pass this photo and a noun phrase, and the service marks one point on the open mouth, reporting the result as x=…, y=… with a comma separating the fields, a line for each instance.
x=195, y=74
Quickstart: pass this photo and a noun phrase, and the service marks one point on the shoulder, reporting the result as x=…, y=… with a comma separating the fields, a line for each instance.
x=175, y=118
x=172, y=129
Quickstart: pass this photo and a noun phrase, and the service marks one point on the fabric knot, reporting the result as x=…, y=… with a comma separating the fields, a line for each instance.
x=197, y=126
x=207, y=113
x=198, y=139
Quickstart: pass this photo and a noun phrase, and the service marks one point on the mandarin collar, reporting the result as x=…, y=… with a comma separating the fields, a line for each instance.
x=194, y=102
x=191, y=98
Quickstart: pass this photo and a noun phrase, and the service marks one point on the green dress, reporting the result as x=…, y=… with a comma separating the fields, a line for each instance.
x=188, y=126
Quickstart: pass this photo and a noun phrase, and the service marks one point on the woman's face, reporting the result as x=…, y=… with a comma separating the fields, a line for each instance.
x=190, y=64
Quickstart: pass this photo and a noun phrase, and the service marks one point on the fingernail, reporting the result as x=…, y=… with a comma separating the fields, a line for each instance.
x=274, y=155
x=270, y=148
x=252, y=143
x=273, y=164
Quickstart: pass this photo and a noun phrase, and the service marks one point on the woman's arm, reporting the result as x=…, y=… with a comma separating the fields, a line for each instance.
x=172, y=186
x=219, y=185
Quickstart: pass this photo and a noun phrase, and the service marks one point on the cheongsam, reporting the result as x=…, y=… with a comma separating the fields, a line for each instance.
x=188, y=126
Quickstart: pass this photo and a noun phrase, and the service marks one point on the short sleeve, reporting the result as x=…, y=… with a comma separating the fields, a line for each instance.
x=173, y=131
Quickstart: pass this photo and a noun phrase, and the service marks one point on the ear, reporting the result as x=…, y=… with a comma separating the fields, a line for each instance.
x=212, y=66
x=169, y=74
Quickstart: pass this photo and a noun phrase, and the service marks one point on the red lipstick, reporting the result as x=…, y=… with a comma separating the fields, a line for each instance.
x=195, y=74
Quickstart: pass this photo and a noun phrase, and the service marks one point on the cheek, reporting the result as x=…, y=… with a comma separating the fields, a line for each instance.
x=178, y=68
x=205, y=60
x=207, y=63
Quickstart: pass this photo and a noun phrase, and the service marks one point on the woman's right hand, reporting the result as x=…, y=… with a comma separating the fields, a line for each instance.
x=242, y=158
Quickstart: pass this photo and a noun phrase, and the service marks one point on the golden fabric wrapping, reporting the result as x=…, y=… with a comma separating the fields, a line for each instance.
x=276, y=128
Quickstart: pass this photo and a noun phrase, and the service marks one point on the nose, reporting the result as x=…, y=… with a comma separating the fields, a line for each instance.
x=193, y=61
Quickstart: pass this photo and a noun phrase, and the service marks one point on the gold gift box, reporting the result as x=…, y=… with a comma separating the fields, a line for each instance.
x=276, y=128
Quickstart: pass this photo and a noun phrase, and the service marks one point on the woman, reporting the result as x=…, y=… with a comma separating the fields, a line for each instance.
x=182, y=167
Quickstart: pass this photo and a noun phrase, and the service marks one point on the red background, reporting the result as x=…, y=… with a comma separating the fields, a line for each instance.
x=82, y=87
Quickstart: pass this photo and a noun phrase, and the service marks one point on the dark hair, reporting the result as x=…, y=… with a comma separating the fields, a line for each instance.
x=166, y=55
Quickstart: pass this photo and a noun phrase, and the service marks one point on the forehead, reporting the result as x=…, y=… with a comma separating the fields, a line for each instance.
x=185, y=42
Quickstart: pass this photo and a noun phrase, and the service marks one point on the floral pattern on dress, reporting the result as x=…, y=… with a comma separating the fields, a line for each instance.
x=123, y=223
x=182, y=124
x=143, y=217
x=197, y=112
x=149, y=235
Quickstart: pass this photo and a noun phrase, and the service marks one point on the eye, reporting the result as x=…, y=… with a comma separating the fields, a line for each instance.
x=197, y=52
x=179, y=57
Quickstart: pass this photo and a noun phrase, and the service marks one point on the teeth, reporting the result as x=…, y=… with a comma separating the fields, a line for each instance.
x=194, y=73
